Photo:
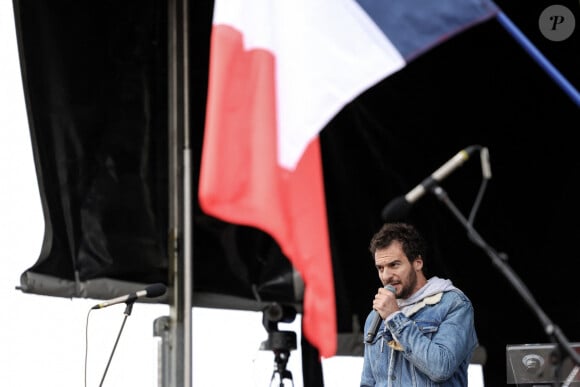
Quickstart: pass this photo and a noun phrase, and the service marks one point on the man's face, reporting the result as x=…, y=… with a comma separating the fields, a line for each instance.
x=394, y=269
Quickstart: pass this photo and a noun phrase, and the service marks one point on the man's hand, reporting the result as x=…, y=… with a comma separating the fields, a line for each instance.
x=385, y=301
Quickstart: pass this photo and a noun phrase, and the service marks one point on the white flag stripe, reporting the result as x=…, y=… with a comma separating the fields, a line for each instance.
x=327, y=53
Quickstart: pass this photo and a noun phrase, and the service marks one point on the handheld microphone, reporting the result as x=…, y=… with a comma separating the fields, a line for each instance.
x=150, y=291
x=377, y=319
x=398, y=208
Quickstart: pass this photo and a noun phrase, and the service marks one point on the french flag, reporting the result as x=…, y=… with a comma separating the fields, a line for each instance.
x=279, y=72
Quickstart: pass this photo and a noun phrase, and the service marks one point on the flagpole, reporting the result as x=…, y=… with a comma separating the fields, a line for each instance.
x=527, y=45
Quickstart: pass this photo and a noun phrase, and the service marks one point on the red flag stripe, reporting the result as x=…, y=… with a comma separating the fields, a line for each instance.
x=241, y=181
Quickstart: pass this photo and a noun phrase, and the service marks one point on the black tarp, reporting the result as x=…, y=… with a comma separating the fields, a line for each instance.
x=95, y=81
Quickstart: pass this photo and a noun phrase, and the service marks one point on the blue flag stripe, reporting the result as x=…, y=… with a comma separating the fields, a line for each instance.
x=415, y=26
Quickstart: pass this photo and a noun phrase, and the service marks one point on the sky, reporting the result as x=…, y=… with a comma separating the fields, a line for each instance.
x=55, y=342
x=45, y=341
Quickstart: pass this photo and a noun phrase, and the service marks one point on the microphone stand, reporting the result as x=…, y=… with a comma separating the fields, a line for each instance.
x=500, y=261
x=127, y=313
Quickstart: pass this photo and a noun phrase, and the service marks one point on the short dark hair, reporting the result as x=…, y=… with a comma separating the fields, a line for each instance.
x=411, y=240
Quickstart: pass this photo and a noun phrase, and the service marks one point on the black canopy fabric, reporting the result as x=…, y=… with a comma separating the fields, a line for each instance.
x=95, y=80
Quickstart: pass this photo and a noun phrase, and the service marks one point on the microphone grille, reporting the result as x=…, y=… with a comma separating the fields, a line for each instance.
x=156, y=290
x=397, y=210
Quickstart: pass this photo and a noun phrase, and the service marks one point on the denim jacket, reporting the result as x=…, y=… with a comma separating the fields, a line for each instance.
x=434, y=343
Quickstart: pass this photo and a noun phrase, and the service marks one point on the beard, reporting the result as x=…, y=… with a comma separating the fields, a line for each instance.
x=410, y=284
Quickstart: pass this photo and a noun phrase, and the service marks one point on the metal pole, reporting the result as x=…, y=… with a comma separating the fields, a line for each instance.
x=180, y=201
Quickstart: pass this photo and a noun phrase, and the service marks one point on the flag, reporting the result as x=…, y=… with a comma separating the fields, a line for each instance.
x=279, y=72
